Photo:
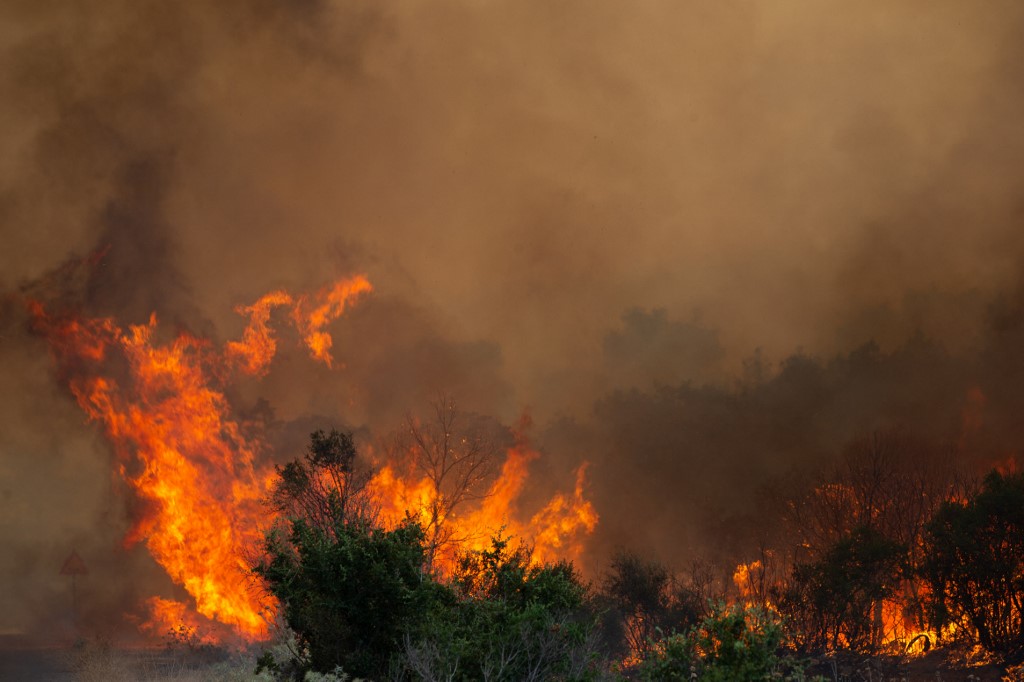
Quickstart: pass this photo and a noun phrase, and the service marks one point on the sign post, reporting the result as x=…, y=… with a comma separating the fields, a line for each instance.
x=74, y=566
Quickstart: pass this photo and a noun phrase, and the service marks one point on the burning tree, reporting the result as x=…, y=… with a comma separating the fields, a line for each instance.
x=858, y=538
x=348, y=588
x=440, y=480
x=647, y=599
x=326, y=486
x=835, y=600
x=457, y=458
x=844, y=566
x=975, y=564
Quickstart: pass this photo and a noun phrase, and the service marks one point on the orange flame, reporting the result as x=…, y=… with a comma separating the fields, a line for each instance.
x=257, y=348
x=312, y=315
x=189, y=461
x=898, y=629
x=554, y=532
x=168, y=617
x=194, y=466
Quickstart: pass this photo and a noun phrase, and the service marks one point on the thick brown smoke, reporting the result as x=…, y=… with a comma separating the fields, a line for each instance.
x=671, y=229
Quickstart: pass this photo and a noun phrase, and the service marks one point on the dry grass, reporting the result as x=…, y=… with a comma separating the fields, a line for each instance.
x=98, y=661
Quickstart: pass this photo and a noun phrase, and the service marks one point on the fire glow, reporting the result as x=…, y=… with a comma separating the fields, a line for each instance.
x=556, y=530
x=198, y=472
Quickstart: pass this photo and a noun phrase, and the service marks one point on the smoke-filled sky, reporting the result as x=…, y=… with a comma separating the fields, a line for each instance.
x=554, y=200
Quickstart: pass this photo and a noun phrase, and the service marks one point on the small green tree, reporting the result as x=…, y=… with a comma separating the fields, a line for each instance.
x=835, y=602
x=645, y=597
x=325, y=486
x=507, y=619
x=975, y=563
x=350, y=590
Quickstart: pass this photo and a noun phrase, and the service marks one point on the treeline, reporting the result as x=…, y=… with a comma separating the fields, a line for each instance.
x=896, y=549
x=885, y=550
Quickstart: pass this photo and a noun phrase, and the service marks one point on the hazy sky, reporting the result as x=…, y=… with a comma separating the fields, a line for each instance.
x=527, y=171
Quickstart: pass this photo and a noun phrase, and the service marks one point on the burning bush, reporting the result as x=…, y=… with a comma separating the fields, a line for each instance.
x=730, y=643
x=838, y=599
x=504, y=617
x=361, y=597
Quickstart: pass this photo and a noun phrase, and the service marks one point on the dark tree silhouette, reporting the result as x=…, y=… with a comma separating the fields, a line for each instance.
x=975, y=563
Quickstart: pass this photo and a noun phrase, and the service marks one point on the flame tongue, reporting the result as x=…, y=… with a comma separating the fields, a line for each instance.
x=195, y=473
x=190, y=463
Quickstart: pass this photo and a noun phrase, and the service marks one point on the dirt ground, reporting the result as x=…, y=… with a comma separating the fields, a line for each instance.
x=24, y=661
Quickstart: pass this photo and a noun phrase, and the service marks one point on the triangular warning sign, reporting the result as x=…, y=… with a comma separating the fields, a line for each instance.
x=73, y=565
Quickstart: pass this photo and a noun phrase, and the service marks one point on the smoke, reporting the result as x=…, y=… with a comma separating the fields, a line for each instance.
x=671, y=229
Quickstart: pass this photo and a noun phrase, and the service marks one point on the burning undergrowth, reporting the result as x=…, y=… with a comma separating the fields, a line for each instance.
x=199, y=474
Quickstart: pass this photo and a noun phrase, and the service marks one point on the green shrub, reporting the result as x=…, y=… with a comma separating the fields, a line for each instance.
x=360, y=602
x=644, y=597
x=731, y=644
x=833, y=602
x=350, y=596
x=507, y=619
x=349, y=589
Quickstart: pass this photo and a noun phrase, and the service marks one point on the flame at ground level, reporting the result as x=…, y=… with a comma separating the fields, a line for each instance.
x=899, y=628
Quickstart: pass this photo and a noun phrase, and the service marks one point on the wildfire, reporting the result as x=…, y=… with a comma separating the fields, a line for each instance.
x=196, y=468
x=189, y=461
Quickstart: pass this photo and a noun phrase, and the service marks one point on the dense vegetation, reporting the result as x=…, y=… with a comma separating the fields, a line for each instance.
x=365, y=600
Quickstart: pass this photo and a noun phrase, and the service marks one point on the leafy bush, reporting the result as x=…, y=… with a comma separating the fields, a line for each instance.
x=833, y=602
x=352, y=596
x=643, y=597
x=731, y=644
x=507, y=619
x=349, y=589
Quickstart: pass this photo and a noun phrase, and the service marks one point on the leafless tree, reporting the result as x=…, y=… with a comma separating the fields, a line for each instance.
x=457, y=454
x=886, y=482
x=427, y=661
